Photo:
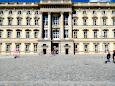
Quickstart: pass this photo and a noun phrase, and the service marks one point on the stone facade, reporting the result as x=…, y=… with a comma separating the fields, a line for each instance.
x=57, y=26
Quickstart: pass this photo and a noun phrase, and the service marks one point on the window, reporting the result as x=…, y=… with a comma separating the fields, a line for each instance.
x=27, y=34
x=9, y=34
x=94, y=12
x=36, y=34
x=55, y=33
x=27, y=48
x=106, y=47
x=75, y=21
x=66, y=20
x=55, y=20
x=113, y=21
x=75, y=47
x=96, y=48
x=1, y=12
x=36, y=12
x=103, y=12
x=36, y=20
x=19, y=12
x=75, y=34
x=35, y=47
x=10, y=19
x=114, y=34
x=45, y=20
x=10, y=12
x=85, y=34
x=105, y=34
x=84, y=21
x=8, y=47
x=18, y=46
x=0, y=34
x=28, y=20
x=113, y=12
x=104, y=21
x=28, y=12
x=19, y=20
x=95, y=34
x=65, y=33
x=94, y=21
x=45, y=33
x=84, y=12
x=18, y=34
x=1, y=21
x=86, y=48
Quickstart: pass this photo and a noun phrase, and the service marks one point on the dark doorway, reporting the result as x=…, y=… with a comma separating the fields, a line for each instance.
x=66, y=51
x=55, y=48
x=44, y=51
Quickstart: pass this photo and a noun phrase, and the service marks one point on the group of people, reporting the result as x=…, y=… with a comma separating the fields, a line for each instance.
x=109, y=56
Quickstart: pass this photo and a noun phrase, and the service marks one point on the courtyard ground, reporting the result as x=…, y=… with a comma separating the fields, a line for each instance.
x=59, y=70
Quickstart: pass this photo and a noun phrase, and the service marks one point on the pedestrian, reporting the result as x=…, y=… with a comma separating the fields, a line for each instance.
x=113, y=56
x=108, y=57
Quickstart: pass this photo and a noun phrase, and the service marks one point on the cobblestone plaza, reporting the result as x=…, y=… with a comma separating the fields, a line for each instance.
x=69, y=70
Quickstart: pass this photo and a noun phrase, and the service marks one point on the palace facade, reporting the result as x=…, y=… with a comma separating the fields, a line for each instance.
x=59, y=26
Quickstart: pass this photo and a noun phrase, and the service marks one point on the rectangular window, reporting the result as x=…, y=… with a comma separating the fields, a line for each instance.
x=36, y=21
x=75, y=21
x=9, y=21
x=1, y=12
x=18, y=34
x=75, y=34
x=45, y=20
x=55, y=33
x=1, y=22
x=55, y=20
x=28, y=12
x=18, y=46
x=36, y=34
x=94, y=21
x=8, y=47
x=104, y=21
x=27, y=34
x=76, y=47
x=95, y=34
x=0, y=34
x=27, y=48
x=84, y=21
x=65, y=33
x=96, y=48
x=114, y=34
x=106, y=47
x=45, y=33
x=85, y=34
x=19, y=21
x=66, y=20
x=105, y=34
x=19, y=12
x=9, y=34
x=86, y=48
x=114, y=21
x=10, y=12
x=35, y=47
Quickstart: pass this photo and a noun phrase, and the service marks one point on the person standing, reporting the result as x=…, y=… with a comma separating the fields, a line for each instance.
x=108, y=57
x=113, y=56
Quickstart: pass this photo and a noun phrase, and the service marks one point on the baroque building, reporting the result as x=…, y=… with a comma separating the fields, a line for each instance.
x=57, y=25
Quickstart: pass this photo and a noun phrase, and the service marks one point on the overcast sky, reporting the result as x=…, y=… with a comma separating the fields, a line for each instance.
x=38, y=0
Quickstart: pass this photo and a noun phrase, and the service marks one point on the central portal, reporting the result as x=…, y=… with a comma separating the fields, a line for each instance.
x=55, y=48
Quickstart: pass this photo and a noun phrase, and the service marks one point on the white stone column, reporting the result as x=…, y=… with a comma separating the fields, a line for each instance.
x=62, y=26
x=49, y=25
x=70, y=25
x=14, y=33
x=41, y=26
x=4, y=33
